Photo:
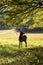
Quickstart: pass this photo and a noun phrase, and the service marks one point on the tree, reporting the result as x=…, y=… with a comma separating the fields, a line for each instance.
x=18, y=12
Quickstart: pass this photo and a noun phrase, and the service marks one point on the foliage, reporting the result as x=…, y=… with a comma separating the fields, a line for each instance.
x=27, y=56
x=17, y=12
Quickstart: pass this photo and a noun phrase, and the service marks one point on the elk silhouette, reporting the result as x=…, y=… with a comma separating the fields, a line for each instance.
x=22, y=38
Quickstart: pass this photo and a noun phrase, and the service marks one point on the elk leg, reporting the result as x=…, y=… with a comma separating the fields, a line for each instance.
x=19, y=44
x=25, y=44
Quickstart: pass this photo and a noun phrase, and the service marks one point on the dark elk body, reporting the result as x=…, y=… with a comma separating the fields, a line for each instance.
x=22, y=38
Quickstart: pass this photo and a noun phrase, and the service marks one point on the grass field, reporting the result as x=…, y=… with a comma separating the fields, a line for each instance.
x=10, y=54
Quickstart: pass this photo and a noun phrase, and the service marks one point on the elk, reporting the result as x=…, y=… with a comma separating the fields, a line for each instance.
x=22, y=38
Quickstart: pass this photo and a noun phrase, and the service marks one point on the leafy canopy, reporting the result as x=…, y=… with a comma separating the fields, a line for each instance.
x=18, y=12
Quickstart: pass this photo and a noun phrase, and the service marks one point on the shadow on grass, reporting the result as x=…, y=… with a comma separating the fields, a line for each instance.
x=24, y=56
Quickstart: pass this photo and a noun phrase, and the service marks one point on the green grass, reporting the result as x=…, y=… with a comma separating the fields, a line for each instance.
x=10, y=54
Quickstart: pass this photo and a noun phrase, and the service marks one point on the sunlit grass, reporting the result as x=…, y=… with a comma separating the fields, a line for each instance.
x=11, y=55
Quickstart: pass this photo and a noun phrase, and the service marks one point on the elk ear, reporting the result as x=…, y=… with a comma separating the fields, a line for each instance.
x=22, y=32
